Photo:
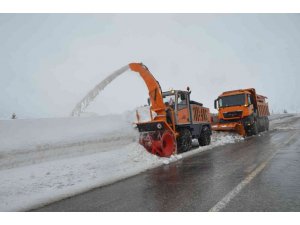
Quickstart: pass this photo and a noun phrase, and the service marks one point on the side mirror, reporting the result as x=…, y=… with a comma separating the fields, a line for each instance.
x=216, y=104
x=148, y=100
x=188, y=89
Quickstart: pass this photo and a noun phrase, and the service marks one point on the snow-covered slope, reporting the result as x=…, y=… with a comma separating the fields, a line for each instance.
x=38, y=133
x=45, y=160
x=26, y=142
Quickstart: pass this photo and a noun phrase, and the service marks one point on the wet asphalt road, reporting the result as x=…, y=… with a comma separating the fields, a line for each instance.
x=200, y=182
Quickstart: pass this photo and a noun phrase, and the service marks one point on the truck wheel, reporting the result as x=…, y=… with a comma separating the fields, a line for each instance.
x=204, y=138
x=254, y=128
x=267, y=123
x=184, y=141
x=264, y=125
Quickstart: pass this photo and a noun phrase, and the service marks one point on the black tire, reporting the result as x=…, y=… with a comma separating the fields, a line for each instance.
x=254, y=128
x=184, y=141
x=205, y=137
x=262, y=125
x=267, y=124
x=248, y=131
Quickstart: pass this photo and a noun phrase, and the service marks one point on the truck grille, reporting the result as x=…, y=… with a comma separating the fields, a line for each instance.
x=233, y=114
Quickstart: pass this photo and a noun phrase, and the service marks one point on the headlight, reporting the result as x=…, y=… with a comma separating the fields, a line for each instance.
x=159, y=126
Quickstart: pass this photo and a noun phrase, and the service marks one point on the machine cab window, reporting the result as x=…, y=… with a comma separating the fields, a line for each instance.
x=231, y=100
x=182, y=100
x=182, y=108
x=170, y=100
x=249, y=99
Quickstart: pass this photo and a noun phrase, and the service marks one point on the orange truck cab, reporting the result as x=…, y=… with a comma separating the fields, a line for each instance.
x=242, y=111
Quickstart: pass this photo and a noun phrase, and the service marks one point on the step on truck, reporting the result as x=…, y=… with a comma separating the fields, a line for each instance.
x=242, y=111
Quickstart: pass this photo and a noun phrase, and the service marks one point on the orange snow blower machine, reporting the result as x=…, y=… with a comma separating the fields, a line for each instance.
x=175, y=119
x=242, y=111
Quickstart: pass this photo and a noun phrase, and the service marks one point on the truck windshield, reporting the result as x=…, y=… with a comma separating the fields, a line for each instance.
x=232, y=100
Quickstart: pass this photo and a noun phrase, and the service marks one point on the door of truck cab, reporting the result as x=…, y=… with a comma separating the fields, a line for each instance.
x=182, y=108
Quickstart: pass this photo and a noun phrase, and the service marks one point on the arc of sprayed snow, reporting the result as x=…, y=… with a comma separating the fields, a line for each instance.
x=84, y=103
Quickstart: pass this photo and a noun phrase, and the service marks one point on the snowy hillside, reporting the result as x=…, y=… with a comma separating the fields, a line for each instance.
x=36, y=140
x=44, y=160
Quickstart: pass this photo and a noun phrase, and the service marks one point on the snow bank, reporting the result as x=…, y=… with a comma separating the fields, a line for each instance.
x=24, y=188
x=284, y=122
x=36, y=140
x=36, y=133
x=280, y=116
x=217, y=139
x=31, y=186
x=66, y=156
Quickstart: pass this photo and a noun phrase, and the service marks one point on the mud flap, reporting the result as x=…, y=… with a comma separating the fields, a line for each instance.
x=240, y=129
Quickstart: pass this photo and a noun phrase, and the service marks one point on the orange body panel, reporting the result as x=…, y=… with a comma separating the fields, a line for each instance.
x=263, y=109
x=183, y=116
x=235, y=126
x=246, y=111
x=200, y=114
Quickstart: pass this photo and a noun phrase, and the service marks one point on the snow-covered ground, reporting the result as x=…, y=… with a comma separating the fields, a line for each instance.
x=45, y=160
x=276, y=117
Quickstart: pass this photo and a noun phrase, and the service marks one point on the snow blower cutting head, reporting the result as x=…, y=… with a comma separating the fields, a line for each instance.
x=175, y=120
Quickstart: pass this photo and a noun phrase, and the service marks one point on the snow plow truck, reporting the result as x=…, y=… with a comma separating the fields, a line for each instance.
x=242, y=111
x=175, y=119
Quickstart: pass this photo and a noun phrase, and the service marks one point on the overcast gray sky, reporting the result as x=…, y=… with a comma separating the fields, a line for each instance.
x=48, y=62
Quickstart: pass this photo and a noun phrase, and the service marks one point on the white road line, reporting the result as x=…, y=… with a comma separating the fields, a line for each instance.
x=290, y=139
x=223, y=203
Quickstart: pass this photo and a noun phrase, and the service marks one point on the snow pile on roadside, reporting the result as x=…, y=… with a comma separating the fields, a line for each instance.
x=39, y=133
x=222, y=138
x=284, y=122
x=217, y=139
x=31, y=141
x=75, y=155
x=274, y=117
x=28, y=187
